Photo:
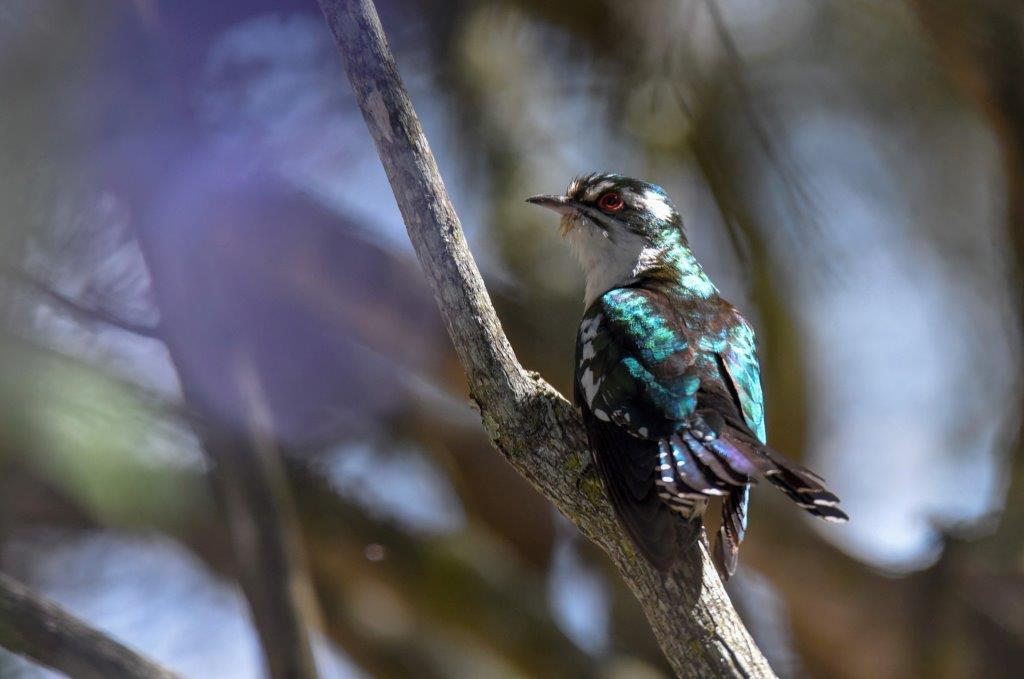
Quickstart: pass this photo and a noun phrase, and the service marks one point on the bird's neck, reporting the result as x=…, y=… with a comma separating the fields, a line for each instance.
x=686, y=274
x=609, y=261
x=625, y=259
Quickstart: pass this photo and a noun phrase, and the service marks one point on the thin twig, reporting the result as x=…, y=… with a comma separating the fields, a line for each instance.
x=536, y=429
x=81, y=311
x=795, y=192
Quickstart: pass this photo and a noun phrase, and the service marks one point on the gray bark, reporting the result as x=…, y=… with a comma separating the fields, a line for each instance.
x=533, y=426
x=42, y=631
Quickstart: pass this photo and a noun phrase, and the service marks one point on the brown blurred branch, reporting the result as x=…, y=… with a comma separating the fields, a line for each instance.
x=249, y=485
x=261, y=517
x=39, y=629
x=529, y=422
x=269, y=561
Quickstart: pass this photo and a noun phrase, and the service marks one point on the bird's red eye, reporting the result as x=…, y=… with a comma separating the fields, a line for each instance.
x=610, y=202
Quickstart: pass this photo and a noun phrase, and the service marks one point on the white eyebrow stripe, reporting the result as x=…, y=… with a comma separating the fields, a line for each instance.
x=631, y=197
x=656, y=203
x=596, y=190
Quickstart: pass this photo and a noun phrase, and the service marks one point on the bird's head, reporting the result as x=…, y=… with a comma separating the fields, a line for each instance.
x=614, y=206
x=619, y=228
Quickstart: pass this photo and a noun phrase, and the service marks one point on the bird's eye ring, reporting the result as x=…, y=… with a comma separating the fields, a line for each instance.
x=610, y=202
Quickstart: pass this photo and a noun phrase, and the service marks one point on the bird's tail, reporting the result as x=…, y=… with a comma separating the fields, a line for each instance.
x=803, y=486
x=709, y=457
x=807, y=489
x=732, y=530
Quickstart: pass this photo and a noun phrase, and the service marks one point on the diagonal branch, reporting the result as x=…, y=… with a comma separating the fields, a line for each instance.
x=42, y=631
x=533, y=426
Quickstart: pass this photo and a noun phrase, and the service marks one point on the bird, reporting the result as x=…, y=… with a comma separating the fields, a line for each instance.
x=667, y=377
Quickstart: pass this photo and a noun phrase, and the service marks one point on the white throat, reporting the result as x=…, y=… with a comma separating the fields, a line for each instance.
x=610, y=264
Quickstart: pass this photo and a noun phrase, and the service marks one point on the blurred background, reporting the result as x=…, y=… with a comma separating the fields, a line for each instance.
x=233, y=434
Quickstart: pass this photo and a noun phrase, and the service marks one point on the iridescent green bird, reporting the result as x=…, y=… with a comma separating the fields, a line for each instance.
x=667, y=376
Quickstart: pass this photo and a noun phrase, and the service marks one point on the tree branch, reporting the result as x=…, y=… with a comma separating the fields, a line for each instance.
x=533, y=426
x=39, y=629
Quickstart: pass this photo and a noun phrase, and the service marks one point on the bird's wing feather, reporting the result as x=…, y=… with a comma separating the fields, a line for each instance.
x=743, y=371
x=625, y=465
x=634, y=377
x=634, y=363
x=740, y=369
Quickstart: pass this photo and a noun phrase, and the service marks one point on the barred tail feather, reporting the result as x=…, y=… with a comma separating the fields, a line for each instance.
x=653, y=482
x=803, y=486
x=732, y=531
x=713, y=457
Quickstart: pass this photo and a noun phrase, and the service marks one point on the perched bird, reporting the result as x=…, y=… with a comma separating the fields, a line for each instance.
x=667, y=376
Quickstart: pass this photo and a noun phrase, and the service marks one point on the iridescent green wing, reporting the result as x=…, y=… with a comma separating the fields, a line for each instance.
x=634, y=363
x=740, y=358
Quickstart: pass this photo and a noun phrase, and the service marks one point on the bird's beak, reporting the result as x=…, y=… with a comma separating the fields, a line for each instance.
x=564, y=206
x=559, y=204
